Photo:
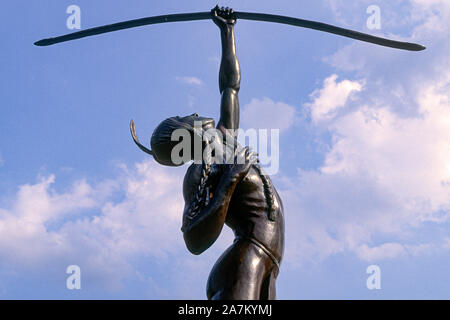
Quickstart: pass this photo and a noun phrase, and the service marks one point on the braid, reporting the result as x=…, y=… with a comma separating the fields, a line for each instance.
x=201, y=197
x=268, y=192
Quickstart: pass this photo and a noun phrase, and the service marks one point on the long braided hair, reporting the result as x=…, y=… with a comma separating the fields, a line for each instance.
x=202, y=195
x=268, y=192
x=201, y=198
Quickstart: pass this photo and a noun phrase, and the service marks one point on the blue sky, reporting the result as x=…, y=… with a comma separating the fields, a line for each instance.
x=364, y=148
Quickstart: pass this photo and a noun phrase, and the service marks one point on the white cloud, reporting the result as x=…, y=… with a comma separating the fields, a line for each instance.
x=386, y=250
x=391, y=250
x=103, y=228
x=190, y=80
x=267, y=114
x=384, y=181
x=345, y=58
x=216, y=61
x=446, y=244
x=384, y=177
x=333, y=95
x=410, y=157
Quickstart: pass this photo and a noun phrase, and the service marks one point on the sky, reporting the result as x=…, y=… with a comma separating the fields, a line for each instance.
x=364, y=171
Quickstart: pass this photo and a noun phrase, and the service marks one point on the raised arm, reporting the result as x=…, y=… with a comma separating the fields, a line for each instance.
x=202, y=228
x=230, y=72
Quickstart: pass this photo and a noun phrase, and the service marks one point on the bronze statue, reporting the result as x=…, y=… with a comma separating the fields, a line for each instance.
x=237, y=194
x=243, y=198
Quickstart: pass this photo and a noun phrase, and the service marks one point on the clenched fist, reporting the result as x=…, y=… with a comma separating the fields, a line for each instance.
x=223, y=16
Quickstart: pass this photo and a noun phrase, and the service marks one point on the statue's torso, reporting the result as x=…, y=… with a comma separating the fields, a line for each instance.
x=248, y=213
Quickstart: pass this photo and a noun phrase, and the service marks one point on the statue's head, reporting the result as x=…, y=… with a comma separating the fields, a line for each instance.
x=161, y=141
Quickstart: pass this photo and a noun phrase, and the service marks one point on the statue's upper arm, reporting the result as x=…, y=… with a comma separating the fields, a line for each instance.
x=190, y=183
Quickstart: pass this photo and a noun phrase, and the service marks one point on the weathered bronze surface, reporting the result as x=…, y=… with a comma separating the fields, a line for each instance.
x=244, y=199
x=238, y=195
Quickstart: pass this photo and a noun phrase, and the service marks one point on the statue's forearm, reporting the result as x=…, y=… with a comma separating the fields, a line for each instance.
x=205, y=228
x=229, y=81
x=230, y=73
